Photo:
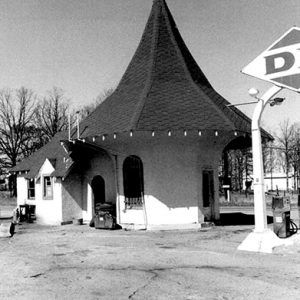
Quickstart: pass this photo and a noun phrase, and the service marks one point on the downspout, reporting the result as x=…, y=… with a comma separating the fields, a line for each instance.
x=118, y=211
x=145, y=213
x=142, y=184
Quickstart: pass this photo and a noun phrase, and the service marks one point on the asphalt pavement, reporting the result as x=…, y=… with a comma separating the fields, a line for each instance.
x=79, y=262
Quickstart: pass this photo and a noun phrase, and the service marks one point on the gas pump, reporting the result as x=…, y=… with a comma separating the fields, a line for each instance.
x=283, y=226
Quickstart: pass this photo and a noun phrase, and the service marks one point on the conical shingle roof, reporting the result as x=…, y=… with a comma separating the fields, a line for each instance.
x=163, y=88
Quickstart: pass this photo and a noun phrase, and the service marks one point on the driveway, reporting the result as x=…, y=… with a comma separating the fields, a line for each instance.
x=79, y=262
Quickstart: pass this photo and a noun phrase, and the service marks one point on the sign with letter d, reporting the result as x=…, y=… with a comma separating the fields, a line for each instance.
x=280, y=63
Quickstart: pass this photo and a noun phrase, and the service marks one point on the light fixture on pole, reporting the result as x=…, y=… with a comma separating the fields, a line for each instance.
x=253, y=92
x=276, y=101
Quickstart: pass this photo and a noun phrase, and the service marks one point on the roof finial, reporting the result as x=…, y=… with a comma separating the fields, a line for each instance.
x=159, y=2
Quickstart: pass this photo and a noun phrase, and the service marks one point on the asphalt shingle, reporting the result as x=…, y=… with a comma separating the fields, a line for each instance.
x=53, y=151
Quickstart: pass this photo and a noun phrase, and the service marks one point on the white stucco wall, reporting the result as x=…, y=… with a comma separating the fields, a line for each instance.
x=100, y=164
x=172, y=181
x=87, y=212
x=72, y=197
x=21, y=190
x=48, y=211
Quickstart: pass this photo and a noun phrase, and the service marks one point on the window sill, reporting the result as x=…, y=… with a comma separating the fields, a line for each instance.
x=133, y=207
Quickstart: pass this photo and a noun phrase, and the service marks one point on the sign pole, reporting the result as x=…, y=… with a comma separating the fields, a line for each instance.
x=258, y=167
x=261, y=239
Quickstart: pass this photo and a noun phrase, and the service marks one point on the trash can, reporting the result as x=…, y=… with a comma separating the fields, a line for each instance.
x=104, y=220
x=104, y=217
x=281, y=216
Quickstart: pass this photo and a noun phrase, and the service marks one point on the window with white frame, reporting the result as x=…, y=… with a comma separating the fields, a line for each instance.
x=31, y=189
x=47, y=187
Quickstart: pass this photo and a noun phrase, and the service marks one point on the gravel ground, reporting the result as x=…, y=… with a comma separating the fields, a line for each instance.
x=79, y=262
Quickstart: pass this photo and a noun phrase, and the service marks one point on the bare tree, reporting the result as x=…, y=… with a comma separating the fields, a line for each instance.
x=18, y=136
x=285, y=140
x=295, y=155
x=16, y=127
x=269, y=160
x=51, y=114
x=239, y=167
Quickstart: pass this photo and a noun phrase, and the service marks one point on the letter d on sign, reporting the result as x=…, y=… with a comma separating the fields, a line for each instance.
x=288, y=59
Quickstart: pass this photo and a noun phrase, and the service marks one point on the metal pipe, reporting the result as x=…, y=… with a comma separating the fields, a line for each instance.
x=69, y=126
x=77, y=121
x=258, y=170
x=240, y=104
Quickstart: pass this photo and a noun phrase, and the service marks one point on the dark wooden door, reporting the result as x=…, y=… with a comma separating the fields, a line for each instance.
x=208, y=193
x=98, y=187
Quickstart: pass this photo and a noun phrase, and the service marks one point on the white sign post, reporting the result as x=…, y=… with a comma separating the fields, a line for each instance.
x=279, y=64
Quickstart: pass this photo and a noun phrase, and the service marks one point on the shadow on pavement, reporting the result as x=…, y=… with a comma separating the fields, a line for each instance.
x=227, y=219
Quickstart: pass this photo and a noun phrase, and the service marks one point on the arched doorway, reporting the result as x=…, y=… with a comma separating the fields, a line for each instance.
x=98, y=188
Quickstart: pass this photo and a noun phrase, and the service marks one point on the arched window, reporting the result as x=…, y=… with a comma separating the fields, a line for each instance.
x=133, y=181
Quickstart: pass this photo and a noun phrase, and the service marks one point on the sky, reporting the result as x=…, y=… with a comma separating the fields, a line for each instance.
x=84, y=46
